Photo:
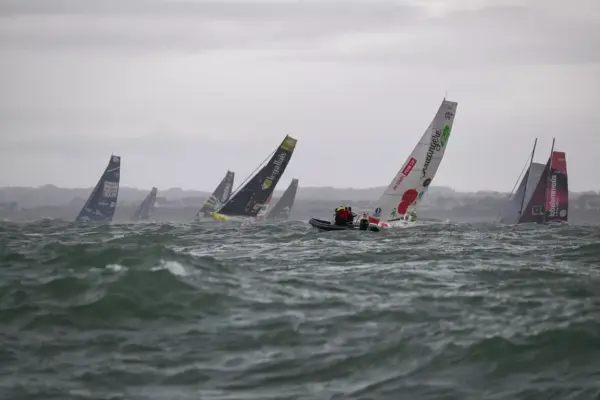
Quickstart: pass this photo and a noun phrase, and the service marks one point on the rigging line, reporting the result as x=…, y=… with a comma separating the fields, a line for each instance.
x=513, y=189
x=251, y=174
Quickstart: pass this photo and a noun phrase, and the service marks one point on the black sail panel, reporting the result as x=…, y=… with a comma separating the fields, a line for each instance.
x=102, y=203
x=248, y=201
x=282, y=209
x=143, y=211
x=219, y=196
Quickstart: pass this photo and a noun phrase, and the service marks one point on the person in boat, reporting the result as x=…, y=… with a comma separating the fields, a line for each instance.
x=341, y=216
x=351, y=215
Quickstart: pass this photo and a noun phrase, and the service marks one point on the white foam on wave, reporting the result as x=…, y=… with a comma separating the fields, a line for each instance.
x=173, y=267
x=116, y=267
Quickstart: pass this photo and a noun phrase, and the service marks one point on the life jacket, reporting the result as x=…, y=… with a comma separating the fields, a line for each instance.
x=341, y=216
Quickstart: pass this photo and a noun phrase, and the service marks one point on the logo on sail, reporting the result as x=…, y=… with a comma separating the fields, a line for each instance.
x=276, y=170
x=409, y=166
x=110, y=189
x=445, y=136
x=553, y=202
x=289, y=144
x=435, y=145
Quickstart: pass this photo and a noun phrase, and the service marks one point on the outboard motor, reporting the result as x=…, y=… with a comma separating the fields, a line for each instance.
x=364, y=224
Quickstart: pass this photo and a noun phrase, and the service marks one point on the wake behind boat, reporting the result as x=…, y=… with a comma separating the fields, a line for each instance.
x=398, y=203
x=101, y=205
x=255, y=195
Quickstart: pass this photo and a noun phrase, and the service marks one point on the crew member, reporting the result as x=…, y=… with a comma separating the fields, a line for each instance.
x=350, y=215
x=341, y=216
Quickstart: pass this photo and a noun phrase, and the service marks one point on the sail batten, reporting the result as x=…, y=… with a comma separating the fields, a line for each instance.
x=249, y=200
x=101, y=204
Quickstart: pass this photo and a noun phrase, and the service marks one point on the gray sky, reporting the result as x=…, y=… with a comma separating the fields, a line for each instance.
x=184, y=90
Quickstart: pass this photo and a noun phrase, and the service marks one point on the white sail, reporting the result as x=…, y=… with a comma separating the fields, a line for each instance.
x=412, y=180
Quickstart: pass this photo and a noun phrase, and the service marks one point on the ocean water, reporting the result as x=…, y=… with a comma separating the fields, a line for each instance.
x=281, y=311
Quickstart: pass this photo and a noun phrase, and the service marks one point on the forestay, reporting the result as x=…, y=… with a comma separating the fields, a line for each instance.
x=412, y=181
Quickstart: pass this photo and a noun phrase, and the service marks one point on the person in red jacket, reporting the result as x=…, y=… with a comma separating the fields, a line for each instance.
x=350, y=215
x=341, y=216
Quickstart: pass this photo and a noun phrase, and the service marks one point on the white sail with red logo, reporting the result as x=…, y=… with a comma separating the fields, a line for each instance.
x=409, y=185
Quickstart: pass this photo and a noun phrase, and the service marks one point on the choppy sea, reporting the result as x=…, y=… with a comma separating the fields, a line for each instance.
x=282, y=311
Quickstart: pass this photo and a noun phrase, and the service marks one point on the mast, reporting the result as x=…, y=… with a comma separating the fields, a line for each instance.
x=548, y=180
x=527, y=178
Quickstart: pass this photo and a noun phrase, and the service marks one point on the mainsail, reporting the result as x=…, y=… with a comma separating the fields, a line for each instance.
x=102, y=203
x=543, y=193
x=557, y=191
x=281, y=210
x=412, y=180
x=248, y=201
x=143, y=211
x=218, y=197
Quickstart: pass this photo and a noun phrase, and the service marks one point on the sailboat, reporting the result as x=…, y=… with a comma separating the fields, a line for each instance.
x=543, y=193
x=248, y=201
x=101, y=204
x=218, y=197
x=143, y=211
x=398, y=203
x=281, y=210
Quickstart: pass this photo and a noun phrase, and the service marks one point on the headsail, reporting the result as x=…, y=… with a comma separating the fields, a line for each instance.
x=143, y=211
x=535, y=205
x=557, y=191
x=102, y=203
x=248, y=201
x=219, y=196
x=520, y=200
x=411, y=182
x=282, y=209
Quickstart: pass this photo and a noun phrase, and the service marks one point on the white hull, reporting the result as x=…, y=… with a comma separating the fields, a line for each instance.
x=407, y=220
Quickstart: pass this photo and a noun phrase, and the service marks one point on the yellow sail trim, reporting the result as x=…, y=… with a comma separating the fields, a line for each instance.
x=289, y=143
x=219, y=217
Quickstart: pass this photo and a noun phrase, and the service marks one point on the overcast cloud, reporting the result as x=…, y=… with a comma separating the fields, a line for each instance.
x=184, y=90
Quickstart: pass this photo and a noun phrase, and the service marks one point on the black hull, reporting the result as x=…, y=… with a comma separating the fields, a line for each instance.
x=328, y=226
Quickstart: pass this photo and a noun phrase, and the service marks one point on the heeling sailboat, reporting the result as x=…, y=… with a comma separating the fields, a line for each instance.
x=398, y=203
x=549, y=201
x=218, y=197
x=248, y=201
x=101, y=204
x=281, y=210
x=511, y=213
x=143, y=211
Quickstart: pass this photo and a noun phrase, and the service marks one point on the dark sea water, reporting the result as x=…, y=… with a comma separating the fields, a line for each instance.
x=281, y=311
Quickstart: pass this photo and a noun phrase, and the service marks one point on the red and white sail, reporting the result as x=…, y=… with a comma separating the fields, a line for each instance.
x=416, y=174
